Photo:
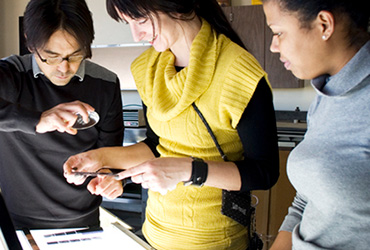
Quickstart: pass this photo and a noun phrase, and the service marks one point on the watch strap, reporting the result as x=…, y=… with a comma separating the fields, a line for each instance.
x=199, y=173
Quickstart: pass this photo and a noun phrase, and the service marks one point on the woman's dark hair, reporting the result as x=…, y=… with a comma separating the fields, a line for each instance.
x=210, y=10
x=44, y=17
x=356, y=11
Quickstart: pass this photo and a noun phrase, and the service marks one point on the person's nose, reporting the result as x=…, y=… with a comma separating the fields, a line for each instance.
x=274, y=47
x=63, y=66
x=137, y=33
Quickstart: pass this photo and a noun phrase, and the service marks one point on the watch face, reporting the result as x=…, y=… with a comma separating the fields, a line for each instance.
x=80, y=124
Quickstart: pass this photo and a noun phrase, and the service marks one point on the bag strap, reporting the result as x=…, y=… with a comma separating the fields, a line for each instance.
x=254, y=241
x=224, y=157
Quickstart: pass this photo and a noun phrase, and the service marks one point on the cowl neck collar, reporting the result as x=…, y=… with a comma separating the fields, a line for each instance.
x=170, y=92
x=348, y=78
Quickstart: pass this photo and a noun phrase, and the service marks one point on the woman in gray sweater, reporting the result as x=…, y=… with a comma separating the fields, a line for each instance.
x=328, y=41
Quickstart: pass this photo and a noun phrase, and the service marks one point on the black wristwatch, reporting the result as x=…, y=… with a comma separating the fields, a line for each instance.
x=199, y=173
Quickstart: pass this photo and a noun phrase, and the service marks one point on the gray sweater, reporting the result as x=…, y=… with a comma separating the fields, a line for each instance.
x=330, y=168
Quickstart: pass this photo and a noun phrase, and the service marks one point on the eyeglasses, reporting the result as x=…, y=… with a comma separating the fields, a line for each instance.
x=58, y=60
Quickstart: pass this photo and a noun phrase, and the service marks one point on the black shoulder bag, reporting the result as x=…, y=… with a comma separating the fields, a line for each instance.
x=236, y=205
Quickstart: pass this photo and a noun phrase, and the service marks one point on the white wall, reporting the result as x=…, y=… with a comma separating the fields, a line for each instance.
x=10, y=10
x=2, y=30
x=289, y=99
x=119, y=59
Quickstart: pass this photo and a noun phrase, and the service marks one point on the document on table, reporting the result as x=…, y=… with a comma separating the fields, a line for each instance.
x=111, y=238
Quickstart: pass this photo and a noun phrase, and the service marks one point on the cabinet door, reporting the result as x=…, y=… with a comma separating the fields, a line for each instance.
x=274, y=203
x=250, y=24
x=281, y=196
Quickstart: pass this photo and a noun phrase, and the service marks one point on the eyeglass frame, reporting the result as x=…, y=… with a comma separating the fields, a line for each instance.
x=60, y=59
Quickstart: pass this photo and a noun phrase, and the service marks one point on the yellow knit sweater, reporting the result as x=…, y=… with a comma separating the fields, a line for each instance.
x=221, y=78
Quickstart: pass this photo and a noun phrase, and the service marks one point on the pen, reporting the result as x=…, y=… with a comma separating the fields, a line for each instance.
x=94, y=174
x=113, y=172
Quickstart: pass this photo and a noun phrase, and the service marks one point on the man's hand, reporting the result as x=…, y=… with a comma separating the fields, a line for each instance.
x=91, y=161
x=105, y=186
x=62, y=117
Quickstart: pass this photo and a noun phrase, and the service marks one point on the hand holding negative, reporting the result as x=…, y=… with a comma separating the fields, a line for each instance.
x=90, y=161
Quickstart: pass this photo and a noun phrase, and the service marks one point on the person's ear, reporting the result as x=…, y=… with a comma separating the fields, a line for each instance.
x=326, y=24
x=29, y=49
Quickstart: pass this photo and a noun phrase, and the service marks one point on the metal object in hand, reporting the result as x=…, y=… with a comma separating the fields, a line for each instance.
x=80, y=124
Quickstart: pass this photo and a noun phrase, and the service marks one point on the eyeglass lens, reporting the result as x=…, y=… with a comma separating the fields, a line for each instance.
x=70, y=59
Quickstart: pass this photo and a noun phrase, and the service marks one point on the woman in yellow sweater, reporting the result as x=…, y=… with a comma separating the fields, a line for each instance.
x=197, y=58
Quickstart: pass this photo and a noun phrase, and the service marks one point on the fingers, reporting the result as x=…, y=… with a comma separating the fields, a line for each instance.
x=77, y=107
x=73, y=179
x=70, y=131
x=84, y=110
x=133, y=172
x=152, y=175
x=160, y=175
x=68, y=174
x=84, y=162
x=55, y=119
x=139, y=179
x=137, y=175
x=105, y=186
x=72, y=163
x=62, y=117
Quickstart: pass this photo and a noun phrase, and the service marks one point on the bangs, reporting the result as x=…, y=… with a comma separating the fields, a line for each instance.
x=133, y=9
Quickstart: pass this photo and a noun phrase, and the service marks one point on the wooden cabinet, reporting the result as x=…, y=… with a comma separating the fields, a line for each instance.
x=250, y=24
x=274, y=203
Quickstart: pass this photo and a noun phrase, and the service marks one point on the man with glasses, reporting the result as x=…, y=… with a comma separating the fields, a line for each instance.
x=41, y=96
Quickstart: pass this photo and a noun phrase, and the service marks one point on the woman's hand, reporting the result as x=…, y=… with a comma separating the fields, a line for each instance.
x=90, y=161
x=160, y=174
